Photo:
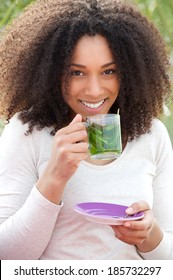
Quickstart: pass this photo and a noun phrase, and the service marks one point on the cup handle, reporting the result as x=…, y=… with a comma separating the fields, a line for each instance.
x=85, y=124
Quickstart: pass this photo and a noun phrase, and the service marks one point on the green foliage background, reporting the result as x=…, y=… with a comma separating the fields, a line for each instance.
x=159, y=11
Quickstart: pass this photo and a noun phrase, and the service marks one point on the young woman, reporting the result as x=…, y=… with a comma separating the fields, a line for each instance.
x=61, y=62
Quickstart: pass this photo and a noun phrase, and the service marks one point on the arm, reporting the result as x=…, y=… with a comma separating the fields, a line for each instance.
x=162, y=195
x=27, y=215
x=27, y=219
x=26, y=234
x=153, y=235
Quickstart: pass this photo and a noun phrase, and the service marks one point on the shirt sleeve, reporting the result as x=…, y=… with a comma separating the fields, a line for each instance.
x=162, y=192
x=27, y=218
x=163, y=251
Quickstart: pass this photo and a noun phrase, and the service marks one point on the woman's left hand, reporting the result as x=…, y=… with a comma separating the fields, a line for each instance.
x=145, y=234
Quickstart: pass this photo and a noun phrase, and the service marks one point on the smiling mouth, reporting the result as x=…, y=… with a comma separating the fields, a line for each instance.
x=93, y=105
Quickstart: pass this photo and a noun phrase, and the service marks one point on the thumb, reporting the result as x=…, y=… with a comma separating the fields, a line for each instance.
x=77, y=118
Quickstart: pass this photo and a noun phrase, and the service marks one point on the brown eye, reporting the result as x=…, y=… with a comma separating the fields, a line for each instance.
x=109, y=72
x=76, y=73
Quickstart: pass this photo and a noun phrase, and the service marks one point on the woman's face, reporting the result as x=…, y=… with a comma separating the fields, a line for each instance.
x=94, y=82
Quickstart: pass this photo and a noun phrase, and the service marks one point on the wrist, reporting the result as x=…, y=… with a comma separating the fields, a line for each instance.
x=51, y=189
x=152, y=241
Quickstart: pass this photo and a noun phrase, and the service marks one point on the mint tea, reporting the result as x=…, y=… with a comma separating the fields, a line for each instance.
x=104, y=136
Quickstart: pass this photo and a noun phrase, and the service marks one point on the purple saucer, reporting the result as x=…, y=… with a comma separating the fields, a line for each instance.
x=106, y=213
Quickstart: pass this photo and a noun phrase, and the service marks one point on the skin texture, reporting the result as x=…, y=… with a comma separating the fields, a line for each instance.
x=93, y=78
x=39, y=79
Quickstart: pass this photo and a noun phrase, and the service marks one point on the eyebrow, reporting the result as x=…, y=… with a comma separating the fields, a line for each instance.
x=103, y=66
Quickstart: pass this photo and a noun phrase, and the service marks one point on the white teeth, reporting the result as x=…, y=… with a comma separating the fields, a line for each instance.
x=93, y=105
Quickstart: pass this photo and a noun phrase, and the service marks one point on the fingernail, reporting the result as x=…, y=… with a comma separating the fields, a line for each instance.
x=129, y=210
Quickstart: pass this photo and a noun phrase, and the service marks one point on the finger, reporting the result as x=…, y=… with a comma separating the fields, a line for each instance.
x=76, y=124
x=137, y=207
x=130, y=236
x=72, y=158
x=72, y=127
x=74, y=148
x=142, y=224
x=81, y=147
x=77, y=118
x=137, y=225
x=135, y=240
x=73, y=137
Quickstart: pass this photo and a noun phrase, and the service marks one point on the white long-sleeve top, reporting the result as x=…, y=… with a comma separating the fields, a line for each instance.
x=31, y=227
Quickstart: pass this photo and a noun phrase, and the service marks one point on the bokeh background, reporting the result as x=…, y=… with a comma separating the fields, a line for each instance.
x=159, y=11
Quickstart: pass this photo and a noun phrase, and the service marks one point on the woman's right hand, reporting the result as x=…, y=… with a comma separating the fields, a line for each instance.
x=69, y=148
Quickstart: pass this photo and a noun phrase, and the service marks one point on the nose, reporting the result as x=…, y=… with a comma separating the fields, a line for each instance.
x=94, y=86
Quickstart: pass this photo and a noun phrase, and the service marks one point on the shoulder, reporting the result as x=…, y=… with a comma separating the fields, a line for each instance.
x=16, y=125
x=161, y=139
x=14, y=133
x=30, y=151
x=159, y=130
x=156, y=142
x=158, y=125
x=13, y=130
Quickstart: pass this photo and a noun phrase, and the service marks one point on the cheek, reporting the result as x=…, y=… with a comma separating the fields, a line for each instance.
x=72, y=97
x=75, y=89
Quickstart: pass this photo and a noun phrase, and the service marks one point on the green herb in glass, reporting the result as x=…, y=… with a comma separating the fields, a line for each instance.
x=104, y=137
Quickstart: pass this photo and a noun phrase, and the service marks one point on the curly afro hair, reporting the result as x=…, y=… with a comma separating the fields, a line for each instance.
x=36, y=49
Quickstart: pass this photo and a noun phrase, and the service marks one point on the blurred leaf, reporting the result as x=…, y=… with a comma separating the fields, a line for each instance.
x=10, y=9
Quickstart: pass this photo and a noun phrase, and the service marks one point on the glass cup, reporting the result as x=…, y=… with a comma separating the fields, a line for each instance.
x=104, y=136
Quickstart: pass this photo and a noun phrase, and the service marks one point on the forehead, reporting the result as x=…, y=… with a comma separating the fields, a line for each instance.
x=92, y=48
